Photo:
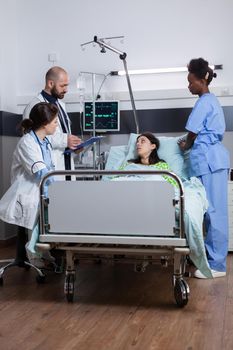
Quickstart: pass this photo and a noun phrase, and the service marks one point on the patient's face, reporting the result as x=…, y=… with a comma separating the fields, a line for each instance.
x=144, y=147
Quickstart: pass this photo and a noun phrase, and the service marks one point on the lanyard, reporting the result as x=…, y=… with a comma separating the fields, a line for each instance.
x=63, y=117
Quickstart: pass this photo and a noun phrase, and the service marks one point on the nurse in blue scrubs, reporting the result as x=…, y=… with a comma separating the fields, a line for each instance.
x=209, y=161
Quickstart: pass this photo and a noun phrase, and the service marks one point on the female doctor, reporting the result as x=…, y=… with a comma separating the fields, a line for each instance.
x=209, y=161
x=31, y=160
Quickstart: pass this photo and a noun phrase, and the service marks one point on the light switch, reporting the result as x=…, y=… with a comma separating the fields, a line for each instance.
x=53, y=57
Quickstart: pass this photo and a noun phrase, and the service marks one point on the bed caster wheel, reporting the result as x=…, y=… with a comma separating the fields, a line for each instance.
x=164, y=262
x=181, y=292
x=69, y=288
x=139, y=268
x=1, y=281
x=40, y=279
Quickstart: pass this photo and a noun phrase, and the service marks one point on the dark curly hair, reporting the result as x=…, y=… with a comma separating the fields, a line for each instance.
x=200, y=68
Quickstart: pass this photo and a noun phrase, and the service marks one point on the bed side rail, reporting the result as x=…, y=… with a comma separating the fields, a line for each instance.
x=98, y=173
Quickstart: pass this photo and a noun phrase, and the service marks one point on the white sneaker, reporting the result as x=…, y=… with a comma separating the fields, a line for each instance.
x=215, y=274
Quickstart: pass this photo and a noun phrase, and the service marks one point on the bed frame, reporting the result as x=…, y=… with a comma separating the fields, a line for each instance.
x=127, y=220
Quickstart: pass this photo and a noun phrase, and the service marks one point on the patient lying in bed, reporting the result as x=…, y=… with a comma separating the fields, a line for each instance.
x=145, y=151
x=147, y=146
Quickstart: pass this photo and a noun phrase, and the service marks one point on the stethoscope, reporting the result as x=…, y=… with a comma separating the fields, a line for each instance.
x=52, y=166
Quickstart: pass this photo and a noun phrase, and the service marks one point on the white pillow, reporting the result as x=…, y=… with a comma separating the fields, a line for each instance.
x=169, y=151
x=116, y=157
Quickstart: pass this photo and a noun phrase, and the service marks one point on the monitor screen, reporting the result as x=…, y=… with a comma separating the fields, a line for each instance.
x=107, y=116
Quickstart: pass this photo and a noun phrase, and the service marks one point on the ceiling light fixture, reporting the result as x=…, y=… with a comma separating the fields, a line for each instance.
x=160, y=70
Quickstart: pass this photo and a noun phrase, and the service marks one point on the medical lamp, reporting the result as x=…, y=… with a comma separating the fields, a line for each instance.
x=122, y=55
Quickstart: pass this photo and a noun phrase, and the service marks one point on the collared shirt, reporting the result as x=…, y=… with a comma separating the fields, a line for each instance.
x=207, y=121
x=63, y=117
x=46, y=155
x=48, y=97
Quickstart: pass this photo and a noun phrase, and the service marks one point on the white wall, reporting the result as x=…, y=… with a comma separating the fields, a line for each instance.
x=8, y=55
x=157, y=34
x=7, y=146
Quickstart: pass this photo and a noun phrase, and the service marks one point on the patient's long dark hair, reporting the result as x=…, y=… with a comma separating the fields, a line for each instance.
x=153, y=157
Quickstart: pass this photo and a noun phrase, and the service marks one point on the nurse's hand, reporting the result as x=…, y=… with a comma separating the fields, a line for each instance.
x=73, y=141
x=182, y=144
x=186, y=143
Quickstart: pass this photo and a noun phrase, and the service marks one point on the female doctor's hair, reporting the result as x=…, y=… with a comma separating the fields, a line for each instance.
x=200, y=68
x=41, y=114
x=153, y=158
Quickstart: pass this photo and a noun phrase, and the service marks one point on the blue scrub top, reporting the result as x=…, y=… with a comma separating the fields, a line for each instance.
x=46, y=155
x=207, y=154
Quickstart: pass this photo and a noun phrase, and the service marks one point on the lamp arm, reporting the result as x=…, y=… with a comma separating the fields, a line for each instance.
x=102, y=43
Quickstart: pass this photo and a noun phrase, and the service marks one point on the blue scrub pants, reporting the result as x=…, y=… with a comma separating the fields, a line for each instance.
x=216, y=218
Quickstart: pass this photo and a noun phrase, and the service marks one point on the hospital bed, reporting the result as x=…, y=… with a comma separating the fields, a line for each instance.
x=106, y=219
x=134, y=221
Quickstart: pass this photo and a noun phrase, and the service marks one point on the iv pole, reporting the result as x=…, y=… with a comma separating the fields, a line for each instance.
x=93, y=80
x=122, y=56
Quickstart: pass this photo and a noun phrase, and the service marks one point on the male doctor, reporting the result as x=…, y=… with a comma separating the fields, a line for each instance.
x=56, y=86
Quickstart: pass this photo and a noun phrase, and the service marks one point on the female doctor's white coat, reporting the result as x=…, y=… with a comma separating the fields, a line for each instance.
x=19, y=205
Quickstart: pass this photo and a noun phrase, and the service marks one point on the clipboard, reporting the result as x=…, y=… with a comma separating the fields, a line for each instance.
x=84, y=144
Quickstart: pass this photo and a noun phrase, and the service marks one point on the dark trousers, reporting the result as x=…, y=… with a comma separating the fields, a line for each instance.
x=67, y=160
x=21, y=255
